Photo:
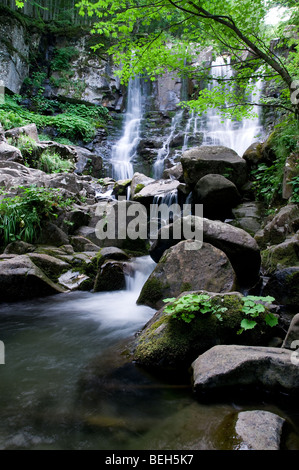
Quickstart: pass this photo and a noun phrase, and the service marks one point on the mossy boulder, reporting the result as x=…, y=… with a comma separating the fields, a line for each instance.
x=281, y=256
x=170, y=343
x=284, y=286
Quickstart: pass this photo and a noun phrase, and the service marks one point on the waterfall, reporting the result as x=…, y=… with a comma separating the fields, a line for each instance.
x=219, y=131
x=124, y=150
x=191, y=129
x=160, y=213
x=164, y=151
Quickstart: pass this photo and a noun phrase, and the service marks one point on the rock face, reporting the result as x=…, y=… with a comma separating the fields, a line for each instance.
x=281, y=256
x=248, y=216
x=10, y=153
x=259, y=430
x=183, y=269
x=241, y=249
x=218, y=196
x=201, y=161
x=226, y=366
x=14, y=53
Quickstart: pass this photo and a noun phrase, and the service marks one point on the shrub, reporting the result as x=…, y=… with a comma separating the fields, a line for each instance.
x=51, y=162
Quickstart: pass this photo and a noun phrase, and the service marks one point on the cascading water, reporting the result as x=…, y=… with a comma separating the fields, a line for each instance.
x=125, y=149
x=191, y=129
x=165, y=150
x=219, y=131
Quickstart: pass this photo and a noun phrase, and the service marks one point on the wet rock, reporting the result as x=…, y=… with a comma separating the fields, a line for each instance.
x=241, y=249
x=83, y=244
x=87, y=162
x=139, y=181
x=201, y=161
x=206, y=268
x=50, y=265
x=259, y=430
x=231, y=366
x=283, y=285
x=175, y=172
x=21, y=279
x=248, y=216
x=73, y=280
x=52, y=235
x=218, y=196
x=157, y=188
x=110, y=277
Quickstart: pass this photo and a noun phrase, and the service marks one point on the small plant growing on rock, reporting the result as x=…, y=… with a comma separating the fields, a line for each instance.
x=253, y=307
x=186, y=307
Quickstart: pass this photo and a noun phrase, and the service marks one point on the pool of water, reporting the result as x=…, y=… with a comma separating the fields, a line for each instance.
x=67, y=382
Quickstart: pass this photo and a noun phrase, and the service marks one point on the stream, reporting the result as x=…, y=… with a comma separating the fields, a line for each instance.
x=67, y=382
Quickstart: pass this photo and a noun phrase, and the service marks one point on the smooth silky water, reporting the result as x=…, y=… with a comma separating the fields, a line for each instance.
x=68, y=383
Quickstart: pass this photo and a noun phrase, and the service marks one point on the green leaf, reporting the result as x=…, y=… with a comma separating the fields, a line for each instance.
x=271, y=319
x=170, y=299
x=248, y=324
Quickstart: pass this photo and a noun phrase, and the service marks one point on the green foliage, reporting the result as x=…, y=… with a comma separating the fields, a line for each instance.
x=76, y=123
x=24, y=143
x=186, y=307
x=21, y=217
x=51, y=162
x=62, y=58
x=295, y=189
x=253, y=307
x=268, y=179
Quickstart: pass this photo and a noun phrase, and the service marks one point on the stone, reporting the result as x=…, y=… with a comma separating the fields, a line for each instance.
x=88, y=162
x=201, y=161
x=253, y=154
x=21, y=279
x=51, y=266
x=19, y=248
x=207, y=268
x=248, y=217
x=158, y=188
x=80, y=243
x=110, y=277
x=259, y=430
x=241, y=249
x=291, y=340
x=283, y=224
x=10, y=153
x=52, y=235
x=170, y=343
x=30, y=130
x=225, y=367
x=283, y=255
x=218, y=196
x=174, y=172
x=139, y=181
x=283, y=285
x=72, y=280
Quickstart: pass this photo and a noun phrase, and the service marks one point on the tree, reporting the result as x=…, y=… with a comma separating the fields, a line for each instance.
x=152, y=36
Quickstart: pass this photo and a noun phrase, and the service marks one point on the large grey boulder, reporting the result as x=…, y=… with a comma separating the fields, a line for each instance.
x=10, y=153
x=201, y=161
x=259, y=430
x=21, y=279
x=139, y=181
x=218, y=196
x=240, y=247
x=182, y=269
x=29, y=130
x=228, y=366
x=159, y=188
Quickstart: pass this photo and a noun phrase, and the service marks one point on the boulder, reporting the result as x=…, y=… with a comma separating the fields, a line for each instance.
x=51, y=266
x=253, y=155
x=283, y=224
x=283, y=285
x=170, y=343
x=74, y=280
x=206, y=268
x=248, y=216
x=52, y=235
x=80, y=243
x=201, y=161
x=218, y=196
x=139, y=181
x=21, y=279
x=30, y=130
x=258, y=430
x=241, y=249
x=19, y=248
x=88, y=162
x=175, y=172
x=234, y=366
x=110, y=277
x=10, y=153
x=281, y=256
x=159, y=188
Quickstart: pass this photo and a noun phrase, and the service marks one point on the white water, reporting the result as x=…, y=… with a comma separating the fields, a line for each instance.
x=192, y=128
x=235, y=135
x=125, y=149
x=164, y=151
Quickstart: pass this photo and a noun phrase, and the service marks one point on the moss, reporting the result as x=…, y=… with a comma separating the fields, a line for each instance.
x=151, y=292
x=138, y=188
